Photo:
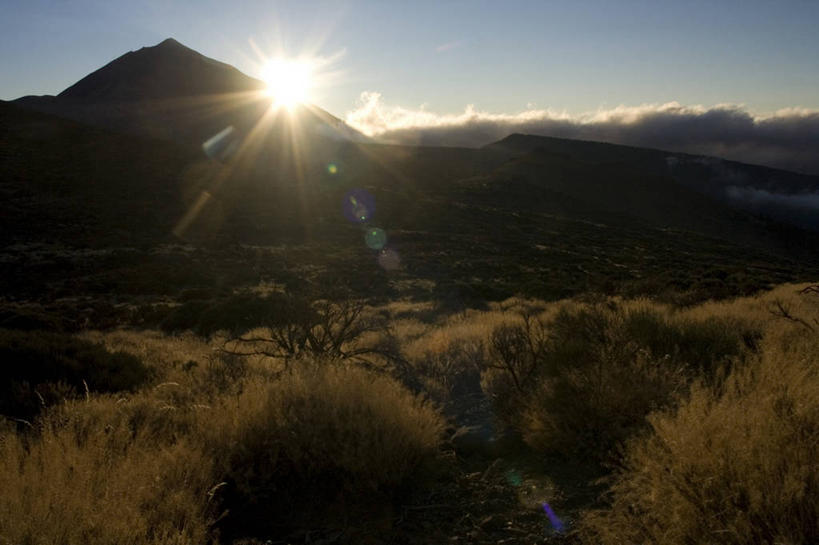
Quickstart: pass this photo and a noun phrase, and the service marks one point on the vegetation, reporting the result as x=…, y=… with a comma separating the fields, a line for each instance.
x=585, y=378
x=203, y=350
x=527, y=223
x=162, y=467
x=40, y=368
x=705, y=416
x=317, y=441
x=735, y=464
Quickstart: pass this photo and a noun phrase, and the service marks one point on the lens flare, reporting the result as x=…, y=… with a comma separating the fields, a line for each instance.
x=222, y=144
x=332, y=168
x=514, y=477
x=375, y=238
x=358, y=205
x=557, y=524
x=389, y=259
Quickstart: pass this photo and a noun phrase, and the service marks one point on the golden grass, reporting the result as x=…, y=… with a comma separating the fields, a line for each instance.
x=731, y=461
x=157, y=466
x=93, y=475
x=735, y=464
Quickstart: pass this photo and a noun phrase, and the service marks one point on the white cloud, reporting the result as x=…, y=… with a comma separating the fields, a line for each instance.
x=788, y=138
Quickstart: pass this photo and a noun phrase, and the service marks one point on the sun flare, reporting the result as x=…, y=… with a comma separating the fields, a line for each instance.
x=289, y=81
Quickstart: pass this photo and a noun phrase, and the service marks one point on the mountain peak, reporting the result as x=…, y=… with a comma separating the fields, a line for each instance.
x=169, y=45
x=168, y=69
x=168, y=42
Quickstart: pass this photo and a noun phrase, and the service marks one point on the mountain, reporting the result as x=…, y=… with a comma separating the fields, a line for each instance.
x=786, y=196
x=164, y=71
x=127, y=186
x=172, y=92
x=88, y=212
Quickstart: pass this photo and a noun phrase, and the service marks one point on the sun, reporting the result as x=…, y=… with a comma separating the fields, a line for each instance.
x=289, y=81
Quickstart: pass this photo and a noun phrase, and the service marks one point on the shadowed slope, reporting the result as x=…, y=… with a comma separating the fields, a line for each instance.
x=786, y=196
x=172, y=92
x=166, y=70
x=467, y=224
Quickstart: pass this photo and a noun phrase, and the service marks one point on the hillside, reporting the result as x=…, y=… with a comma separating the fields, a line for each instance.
x=166, y=70
x=171, y=92
x=786, y=196
x=469, y=225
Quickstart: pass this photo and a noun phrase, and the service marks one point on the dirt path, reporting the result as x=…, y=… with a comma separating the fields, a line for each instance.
x=502, y=493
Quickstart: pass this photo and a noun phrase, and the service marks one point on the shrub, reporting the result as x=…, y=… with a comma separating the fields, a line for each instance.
x=454, y=371
x=320, y=330
x=584, y=380
x=735, y=464
x=315, y=438
x=104, y=472
x=40, y=366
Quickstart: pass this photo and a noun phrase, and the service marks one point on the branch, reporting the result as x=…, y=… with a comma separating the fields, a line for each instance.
x=782, y=312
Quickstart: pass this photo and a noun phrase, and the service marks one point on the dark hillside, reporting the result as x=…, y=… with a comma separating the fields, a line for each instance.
x=92, y=213
x=785, y=196
x=166, y=70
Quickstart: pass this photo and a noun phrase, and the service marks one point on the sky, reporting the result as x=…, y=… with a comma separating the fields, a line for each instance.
x=402, y=67
x=501, y=57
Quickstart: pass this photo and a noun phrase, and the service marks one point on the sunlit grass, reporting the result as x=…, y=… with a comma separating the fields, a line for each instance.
x=212, y=432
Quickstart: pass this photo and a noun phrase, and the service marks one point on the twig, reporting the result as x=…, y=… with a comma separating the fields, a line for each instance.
x=783, y=312
x=489, y=469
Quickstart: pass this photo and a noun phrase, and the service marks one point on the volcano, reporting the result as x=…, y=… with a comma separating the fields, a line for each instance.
x=169, y=91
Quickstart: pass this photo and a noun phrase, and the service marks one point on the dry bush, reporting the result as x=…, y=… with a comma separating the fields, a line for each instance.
x=317, y=330
x=104, y=472
x=317, y=435
x=160, y=467
x=735, y=464
x=584, y=379
x=452, y=372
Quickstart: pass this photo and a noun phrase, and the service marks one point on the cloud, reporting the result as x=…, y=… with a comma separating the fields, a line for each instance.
x=786, y=139
x=799, y=209
x=760, y=198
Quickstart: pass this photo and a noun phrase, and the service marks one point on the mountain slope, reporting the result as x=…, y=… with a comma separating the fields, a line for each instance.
x=265, y=202
x=786, y=196
x=166, y=70
x=88, y=212
x=172, y=92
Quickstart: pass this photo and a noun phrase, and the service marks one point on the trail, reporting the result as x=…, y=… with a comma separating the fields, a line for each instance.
x=501, y=492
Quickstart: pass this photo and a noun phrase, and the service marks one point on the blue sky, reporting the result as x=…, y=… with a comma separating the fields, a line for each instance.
x=502, y=57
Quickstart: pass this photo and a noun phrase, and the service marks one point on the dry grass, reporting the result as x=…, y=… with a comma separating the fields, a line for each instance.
x=315, y=436
x=219, y=447
x=98, y=472
x=735, y=464
x=163, y=465
x=582, y=378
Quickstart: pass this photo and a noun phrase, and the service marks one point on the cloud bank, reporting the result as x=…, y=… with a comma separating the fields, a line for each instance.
x=787, y=139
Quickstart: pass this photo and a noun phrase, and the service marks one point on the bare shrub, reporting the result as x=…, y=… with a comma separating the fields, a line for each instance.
x=735, y=464
x=453, y=371
x=516, y=353
x=321, y=330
